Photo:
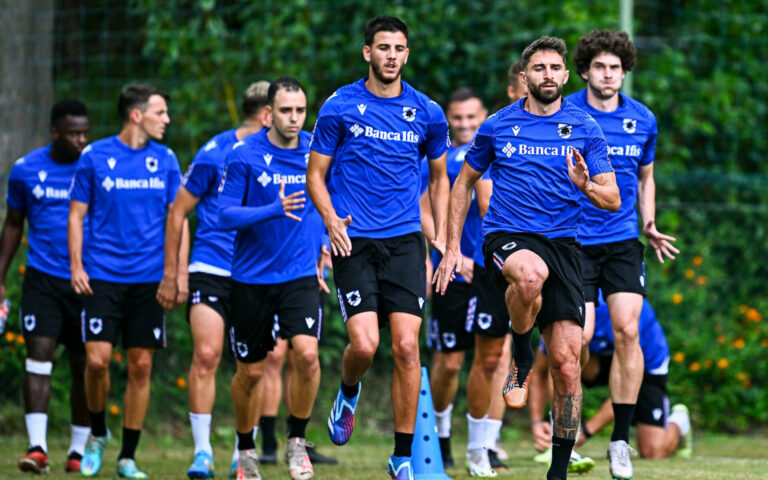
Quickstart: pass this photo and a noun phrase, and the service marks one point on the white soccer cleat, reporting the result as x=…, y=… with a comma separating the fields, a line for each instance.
x=478, y=464
x=618, y=456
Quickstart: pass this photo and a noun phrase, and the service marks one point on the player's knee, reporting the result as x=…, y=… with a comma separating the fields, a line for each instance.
x=406, y=352
x=306, y=363
x=364, y=349
x=566, y=370
x=652, y=450
x=626, y=335
x=206, y=359
x=140, y=369
x=452, y=366
x=97, y=364
x=526, y=282
x=251, y=372
x=488, y=363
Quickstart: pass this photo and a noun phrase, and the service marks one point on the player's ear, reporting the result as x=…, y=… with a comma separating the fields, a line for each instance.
x=583, y=76
x=135, y=115
x=367, y=53
x=567, y=75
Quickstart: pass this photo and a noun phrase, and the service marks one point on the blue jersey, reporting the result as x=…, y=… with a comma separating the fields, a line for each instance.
x=630, y=131
x=377, y=145
x=128, y=192
x=38, y=186
x=213, y=247
x=526, y=155
x=478, y=256
x=278, y=249
x=471, y=231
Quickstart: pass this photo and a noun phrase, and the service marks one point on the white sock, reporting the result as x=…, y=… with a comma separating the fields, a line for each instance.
x=37, y=424
x=255, y=433
x=201, y=432
x=444, y=422
x=682, y=420
x=492, y=430
x=476, y=432
x=236, y=453
x=79, y=437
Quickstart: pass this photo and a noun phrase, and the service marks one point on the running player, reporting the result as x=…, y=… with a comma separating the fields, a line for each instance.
x=534, y=151
x=124, y=184
x=209, y=269
x=376, y=131
x=613, y=255
x=38, y=190
x=274, y=269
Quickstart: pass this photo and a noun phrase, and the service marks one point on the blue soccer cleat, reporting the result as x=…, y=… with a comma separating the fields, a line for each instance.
x=94, y=449
x=202, y=466
x=341, y=422
x=399, y=468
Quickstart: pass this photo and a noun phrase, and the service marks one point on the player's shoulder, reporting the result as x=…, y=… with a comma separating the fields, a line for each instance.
x=502, y=115
x=420, y=99
x=576, y=113
x=343, y=95
x=243, y=149
x=305, y=138
x=101, y=146
x=638, y=108
x=161, y=151
x=219, y=145
x=36, y=158
x=578, y=98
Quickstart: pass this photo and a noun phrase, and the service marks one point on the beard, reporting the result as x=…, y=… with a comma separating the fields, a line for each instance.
x=380, y=75
x=537, y=92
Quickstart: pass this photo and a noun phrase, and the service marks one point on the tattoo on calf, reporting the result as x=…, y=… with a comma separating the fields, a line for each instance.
x=566, y=413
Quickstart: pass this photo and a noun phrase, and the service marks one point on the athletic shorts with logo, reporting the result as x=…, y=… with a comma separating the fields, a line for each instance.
x=384, y=275
x=452, y=317
x=252, y=315
x=211, y=290
x=127, y=310
x=50, y=308
x=562, y=295
x=492, y=316
x=613, y=267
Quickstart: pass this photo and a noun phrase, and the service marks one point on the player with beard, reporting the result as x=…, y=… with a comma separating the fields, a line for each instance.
x=543, y=154
x=613, y=255
x=376, y=131
x=38, y=187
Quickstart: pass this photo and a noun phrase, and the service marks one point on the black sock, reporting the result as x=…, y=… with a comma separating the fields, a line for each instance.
x=403, y=442
x=98, y=423
x=523, y=354
x=297, y=427
x=245, y=440
x=350, y=391
x=36, y=448
x=622, y=413
x=268, y=439
x=561, y=455
x=130, y=441
x=445, y=446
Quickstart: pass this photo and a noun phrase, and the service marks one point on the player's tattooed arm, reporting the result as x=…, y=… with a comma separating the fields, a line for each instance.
x=566, y=412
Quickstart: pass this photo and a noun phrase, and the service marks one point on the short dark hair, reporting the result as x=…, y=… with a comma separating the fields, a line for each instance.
x=65, y=107
x=255, y=97
x=605, y=41
x=463, y=94
x=283, y=83
x=544, y=43
x=385, y=23
x=514, y=73
x=136, y=96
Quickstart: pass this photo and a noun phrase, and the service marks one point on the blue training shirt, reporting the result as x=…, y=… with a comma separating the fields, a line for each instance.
x=631, y=132
x=278, y=249
x=377, y=144
x=212, y=246
x=38, y=186
x=526, y=155
x=128, y=192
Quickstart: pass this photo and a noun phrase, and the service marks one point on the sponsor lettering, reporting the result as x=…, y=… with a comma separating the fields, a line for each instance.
x=625, y=150
x=405, y=136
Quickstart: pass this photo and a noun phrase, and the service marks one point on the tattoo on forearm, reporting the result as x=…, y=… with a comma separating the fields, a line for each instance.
x=566, y=414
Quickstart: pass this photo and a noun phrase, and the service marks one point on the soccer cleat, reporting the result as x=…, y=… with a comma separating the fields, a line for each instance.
x=94, y=448
x=495, y=461
x=500, y=452
x=478, y=464
x=268, y=457
x=579, y=464
x=202, y=466
x=342, y=418
x=126, y=468
x=445, y=452
x=516, y=390
x=299, y=465
x=618, y=456
x=685, y=445
x=34, y=461
x=232, y=474
x=318, y=458
x=399, y=468
x=73, y=463
x=247, y=466
x=544, y=457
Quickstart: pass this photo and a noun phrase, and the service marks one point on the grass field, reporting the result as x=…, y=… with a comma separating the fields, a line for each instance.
x=364, y=458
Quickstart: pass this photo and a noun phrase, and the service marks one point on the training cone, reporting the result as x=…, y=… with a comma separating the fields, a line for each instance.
x=426, y=459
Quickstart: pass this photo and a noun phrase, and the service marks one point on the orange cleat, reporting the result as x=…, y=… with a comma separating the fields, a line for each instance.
x=516, y=392
x=34, y=461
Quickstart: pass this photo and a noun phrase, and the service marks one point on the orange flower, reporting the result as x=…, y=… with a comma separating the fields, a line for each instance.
x=118, y=357
x=181, y=383
x=764, y=343
x=20, y=339
x=753, y=315
x=697, y=261
x=679, y=357
x=742, y=376
x=738, y=344
x=722, y=363
x=694, y=366
x=721, y=338
x=10, y=336
x=22, y=269
x=114, y=409
x=677, y=299
x=689, y=274
x=701, y=280
x=707, y=363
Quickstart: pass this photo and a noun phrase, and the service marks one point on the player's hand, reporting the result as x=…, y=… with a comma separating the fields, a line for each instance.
x=341, y=245
x=438, y=245
x=81, y=282
x=577, y=169
x=542, y=434
x=167, y=292
x=292, y=202
x=182, y=286
x=467, y=268
x=660, y=243
x=446, y=272
x=322, y=261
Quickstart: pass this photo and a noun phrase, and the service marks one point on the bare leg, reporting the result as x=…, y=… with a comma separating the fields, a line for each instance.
x=137, y=391
x=406, y=379
x=207, y=328
x=363, y=330
x=444, y=378
x=306, y=375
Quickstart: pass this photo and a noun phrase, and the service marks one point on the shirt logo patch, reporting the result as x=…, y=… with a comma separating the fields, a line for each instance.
x=356, y=130
x=421, y=302
x=361, y=107
x=354, y=298
x=630, y=125
x=108, y=184
x=449, y=339
x=42, y=175
x=409, y=114
x=38, y=192
x=111, y=162
x=508, y=149
x=96, y=325
x=310, y=322
x=564, y=130
x=29, y=322
x=484, y=321
x=656, y=411
x=151, y=163
x=268, y=158
x=515, y=129
x=156, y=331
x=264, y=179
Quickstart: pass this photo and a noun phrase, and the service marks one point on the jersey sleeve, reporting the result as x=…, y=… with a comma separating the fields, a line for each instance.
x=234, y=182
x=596, y=150
x=16, y=196
x=82, y=181
x=174, y=177
x=329, y=130
x=438, y=139
x=200, y=178
x=649, y=151
x=480, y=153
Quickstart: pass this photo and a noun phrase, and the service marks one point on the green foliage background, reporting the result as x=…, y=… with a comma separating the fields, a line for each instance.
x=701, y=70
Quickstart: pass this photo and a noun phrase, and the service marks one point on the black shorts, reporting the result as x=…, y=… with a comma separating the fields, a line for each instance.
x=612, y=268
x=383, y=275
x=492, y=318
x=255, y=308
x=450, y=324
x=127, y=308
x=562, y=295
x=50, y=308
x=603, y=374
x=652, y=401
x=211, y=290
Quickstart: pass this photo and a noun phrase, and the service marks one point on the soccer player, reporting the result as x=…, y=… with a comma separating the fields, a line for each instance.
x=613, y=255
x=209, y=269
x=515, y=88
x=543, y=154
x=376, y=131
x=38, y=190
x=274, y=269
x=124, y=184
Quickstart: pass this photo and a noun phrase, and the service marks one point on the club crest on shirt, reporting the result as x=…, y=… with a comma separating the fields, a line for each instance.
x=630, y=125
x=409, y=114
x=564, y=130
x=151, y=163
